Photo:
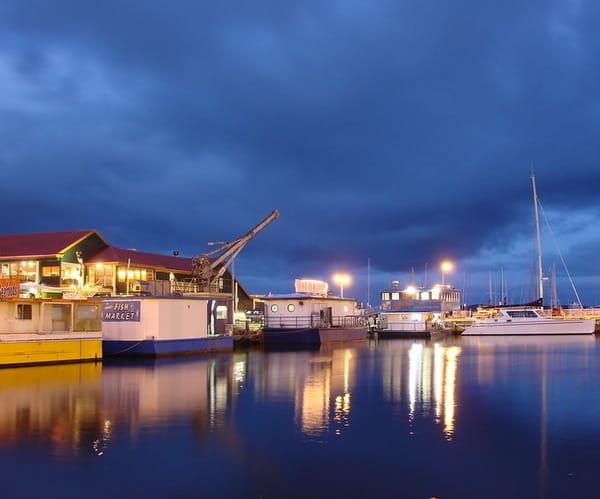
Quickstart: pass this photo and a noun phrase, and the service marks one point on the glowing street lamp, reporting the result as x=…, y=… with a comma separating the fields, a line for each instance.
x=341, y=279
x=446, y=266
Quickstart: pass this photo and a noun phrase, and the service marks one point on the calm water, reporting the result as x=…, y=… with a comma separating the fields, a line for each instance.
x=459, y=418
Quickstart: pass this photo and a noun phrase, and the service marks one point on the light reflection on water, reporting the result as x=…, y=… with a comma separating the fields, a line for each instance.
x=252, y=424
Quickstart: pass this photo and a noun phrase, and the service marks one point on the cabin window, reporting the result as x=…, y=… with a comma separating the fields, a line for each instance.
x=24, y=312
x=395, y=295
x=385, y=296
x=291, y=307
x=274, y=308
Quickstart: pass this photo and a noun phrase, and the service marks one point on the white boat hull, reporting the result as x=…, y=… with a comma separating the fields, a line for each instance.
x=540, y=327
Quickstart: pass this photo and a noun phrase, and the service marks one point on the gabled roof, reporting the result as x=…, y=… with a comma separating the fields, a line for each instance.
x=42, y=244
x=134, y=257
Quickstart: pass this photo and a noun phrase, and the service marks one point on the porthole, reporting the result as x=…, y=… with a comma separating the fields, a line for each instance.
x=274, y=308
x=291, y=307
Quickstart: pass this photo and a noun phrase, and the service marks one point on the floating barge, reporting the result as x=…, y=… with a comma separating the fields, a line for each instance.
x=311, y=316
x=47, y=331
x=156, y=326
x=418, y=311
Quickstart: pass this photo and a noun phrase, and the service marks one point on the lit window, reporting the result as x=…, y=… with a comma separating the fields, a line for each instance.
x=53, y=271
x=291, y=307
x=274, y=308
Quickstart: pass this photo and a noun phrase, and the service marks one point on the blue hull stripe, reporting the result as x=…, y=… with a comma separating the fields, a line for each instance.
x=312, y=336
x=166, y=347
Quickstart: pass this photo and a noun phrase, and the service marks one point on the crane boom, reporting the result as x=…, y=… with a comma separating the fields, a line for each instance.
x=207, y=270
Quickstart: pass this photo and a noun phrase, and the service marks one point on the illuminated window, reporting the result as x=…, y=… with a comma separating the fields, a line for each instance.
x=221, y=312
x=53, y=271
x=291, y=307
x=395, y=295
x=274, y=308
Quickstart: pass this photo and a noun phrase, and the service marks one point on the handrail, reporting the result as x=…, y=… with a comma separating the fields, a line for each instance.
x=315, y=320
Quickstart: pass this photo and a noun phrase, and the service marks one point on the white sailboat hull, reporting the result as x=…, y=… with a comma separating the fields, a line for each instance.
x=540, y=327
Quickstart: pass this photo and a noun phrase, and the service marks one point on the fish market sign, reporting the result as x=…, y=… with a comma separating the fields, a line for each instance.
x=121, y=311
x=9, y=288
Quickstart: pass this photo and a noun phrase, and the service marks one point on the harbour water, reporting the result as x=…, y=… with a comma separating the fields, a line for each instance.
x=456, y=418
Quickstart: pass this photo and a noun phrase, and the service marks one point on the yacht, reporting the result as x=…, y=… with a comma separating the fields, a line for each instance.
x=527, y=321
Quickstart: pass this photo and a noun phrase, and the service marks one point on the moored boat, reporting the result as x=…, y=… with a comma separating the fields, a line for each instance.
x=155, y=326
x=527, y=321
x=311, y=316
x=417, y=311
x=47, y=330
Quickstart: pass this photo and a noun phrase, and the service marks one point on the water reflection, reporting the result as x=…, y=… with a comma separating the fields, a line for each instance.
x=426, y=372
x=257, y=424
x=147, y=396
x=318, y=383
x=328, y=382
x=54, y=407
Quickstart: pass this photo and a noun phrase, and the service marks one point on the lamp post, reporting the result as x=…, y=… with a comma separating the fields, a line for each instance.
x=445, y=267
x=341, y=279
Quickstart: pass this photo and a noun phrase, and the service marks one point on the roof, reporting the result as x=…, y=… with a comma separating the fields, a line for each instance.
x=42, y=244
x=302, y=296
x=134, y=257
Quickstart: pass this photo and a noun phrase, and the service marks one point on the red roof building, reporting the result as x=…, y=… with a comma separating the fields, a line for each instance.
x=84, y=258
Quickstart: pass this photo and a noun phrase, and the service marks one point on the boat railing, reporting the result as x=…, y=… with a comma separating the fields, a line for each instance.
x=316, y=321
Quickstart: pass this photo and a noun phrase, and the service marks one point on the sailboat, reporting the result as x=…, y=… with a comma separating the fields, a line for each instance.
x=527, y=320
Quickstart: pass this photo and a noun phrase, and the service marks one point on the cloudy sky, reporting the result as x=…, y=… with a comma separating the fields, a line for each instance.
x=390, y=135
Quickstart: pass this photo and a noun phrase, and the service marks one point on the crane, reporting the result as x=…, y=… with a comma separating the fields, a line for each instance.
x=208, y=267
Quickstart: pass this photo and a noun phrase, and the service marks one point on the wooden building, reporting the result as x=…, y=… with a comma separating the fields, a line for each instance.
x=83, y=259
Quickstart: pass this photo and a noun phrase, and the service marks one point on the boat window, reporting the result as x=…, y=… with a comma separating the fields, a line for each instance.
x=385, y=296
x=522, y=313
x=395, y=295
x=24, y=312
x=274, y=307
x=221, y=312
x=291, y=307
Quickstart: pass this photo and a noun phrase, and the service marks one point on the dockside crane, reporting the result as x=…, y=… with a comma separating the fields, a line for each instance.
x=208, y=267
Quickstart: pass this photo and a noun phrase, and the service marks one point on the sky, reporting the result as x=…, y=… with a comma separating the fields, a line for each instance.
x=390, y=135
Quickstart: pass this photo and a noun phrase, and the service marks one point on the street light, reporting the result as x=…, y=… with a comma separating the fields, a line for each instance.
x=341, y=279
x=446, y=266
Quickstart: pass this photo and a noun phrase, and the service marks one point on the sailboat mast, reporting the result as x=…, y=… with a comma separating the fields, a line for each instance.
x=540, y=277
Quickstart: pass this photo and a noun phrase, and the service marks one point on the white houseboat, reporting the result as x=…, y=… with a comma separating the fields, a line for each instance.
x=311, y=316
x=155, y=326
x=47, y=330
x=417, y=311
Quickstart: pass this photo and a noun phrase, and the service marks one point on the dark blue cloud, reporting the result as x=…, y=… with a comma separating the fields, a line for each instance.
x=398, y=133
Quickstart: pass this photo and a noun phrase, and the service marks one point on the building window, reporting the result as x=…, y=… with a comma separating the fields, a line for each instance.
x=53, y=271
x=24, y=312
x=135, y=274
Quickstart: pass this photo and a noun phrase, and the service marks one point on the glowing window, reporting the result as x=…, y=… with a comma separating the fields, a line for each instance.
x=274, y=308
x=53, y=271
x=291, y=307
